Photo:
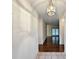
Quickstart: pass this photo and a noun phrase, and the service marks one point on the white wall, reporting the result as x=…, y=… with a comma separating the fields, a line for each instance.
x=49, y=27
x=25, y=33
x=42, y=31
x=62, y=30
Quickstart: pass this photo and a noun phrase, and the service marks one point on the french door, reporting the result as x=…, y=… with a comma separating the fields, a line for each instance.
x=55, y=35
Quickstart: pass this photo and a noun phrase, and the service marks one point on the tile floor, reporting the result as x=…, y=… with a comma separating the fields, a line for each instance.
x=51, y=55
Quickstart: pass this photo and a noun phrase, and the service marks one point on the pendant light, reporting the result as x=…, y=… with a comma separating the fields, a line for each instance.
x=51, y=9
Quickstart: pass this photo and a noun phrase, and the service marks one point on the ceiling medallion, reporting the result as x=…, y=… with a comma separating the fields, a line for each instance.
x=51, y=9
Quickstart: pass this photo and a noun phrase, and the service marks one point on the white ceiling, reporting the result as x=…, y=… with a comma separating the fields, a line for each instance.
x=41, y=5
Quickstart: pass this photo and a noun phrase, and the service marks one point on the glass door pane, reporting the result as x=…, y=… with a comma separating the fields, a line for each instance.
x=53, y=31
x=53, y=40
x=57, y=40
x=56, y=31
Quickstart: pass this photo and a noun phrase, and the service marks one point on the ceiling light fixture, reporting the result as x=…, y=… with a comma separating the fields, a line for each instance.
x=51, y=9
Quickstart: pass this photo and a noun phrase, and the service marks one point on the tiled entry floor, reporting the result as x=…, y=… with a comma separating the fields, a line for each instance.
x=51, y=55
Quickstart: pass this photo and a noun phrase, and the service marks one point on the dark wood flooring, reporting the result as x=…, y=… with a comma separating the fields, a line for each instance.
x=48, y=46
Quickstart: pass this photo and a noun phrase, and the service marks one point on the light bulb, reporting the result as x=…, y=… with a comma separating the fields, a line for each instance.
x=51, y=10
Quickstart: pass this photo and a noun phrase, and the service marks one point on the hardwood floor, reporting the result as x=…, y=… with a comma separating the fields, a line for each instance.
x=48, y=46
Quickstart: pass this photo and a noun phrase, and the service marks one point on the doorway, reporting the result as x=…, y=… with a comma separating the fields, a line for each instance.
x=55, y=35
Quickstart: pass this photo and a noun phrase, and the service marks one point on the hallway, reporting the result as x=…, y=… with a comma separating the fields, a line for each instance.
x=48, y=46
x=35, y=29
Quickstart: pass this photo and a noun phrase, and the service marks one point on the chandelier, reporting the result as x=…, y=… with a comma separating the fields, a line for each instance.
x=51, y=9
